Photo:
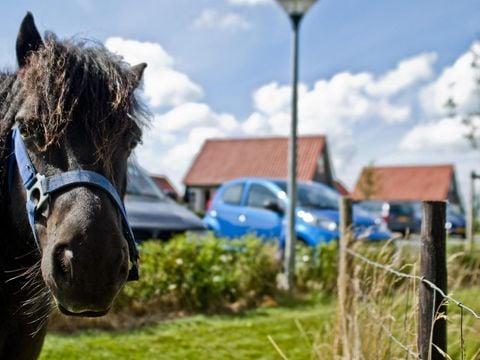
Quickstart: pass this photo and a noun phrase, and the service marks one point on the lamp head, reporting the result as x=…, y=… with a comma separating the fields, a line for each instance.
x=296, y=8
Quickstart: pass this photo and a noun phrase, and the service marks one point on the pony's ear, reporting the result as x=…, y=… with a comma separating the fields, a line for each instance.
x=28, y=39
x=138, y=71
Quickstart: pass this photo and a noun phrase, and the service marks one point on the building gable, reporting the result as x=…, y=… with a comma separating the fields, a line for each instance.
x=406, y=183
x=222, y=160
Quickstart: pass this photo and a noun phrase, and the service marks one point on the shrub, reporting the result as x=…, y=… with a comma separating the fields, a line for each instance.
x=193, y=273
x=316, y=268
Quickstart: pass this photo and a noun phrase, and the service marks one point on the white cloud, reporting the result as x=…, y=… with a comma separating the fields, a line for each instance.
x=250, y=2
x=445, y=134
x=273, y=98
x=162, y=84
x=192, y=115
x=407, y=73
x=333, y=107
x=213, y=19
x=176, y=136
x=256, y=124
x=336, y=106
x=440, y=138
x=457, y=82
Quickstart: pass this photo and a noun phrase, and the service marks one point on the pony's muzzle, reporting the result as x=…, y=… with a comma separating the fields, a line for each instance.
x=80, y=290
x=85, y=260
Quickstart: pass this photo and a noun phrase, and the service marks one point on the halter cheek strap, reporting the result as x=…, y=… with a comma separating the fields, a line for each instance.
x=39, y=187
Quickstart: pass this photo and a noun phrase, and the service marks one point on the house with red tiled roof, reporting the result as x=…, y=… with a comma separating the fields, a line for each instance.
x=341, y=188
x=407, y=183
x=220, y=160
x=164, y=183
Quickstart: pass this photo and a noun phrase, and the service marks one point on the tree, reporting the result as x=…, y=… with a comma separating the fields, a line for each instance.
x=368, y=182
x=470, y=119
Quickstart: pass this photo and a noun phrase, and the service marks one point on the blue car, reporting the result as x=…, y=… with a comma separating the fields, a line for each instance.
x=257, y=206
x=456, y=223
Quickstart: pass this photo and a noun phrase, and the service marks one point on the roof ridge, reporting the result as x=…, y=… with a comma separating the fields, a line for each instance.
x=409, y=166
x=261, y=138
x=258, y=156
x=406, y=182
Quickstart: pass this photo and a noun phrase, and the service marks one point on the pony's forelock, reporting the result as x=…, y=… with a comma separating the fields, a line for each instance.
x=81, y=81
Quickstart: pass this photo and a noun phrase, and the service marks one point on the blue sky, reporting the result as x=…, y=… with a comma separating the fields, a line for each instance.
x=374, y=73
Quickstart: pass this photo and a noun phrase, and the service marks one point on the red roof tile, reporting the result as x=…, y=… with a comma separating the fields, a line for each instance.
x=164, y=183
x=342, y=190
x=407, y=183
x=221, y=160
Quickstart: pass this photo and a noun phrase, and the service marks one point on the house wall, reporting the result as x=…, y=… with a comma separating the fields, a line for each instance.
x=198, y=197
x=453, y=194
x=323, y=173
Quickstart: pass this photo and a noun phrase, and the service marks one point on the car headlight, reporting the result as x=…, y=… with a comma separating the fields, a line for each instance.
x=381, y=224
x=322, y=222
x=327, y=224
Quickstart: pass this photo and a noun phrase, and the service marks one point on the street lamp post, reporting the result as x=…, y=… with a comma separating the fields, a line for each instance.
x=295, y=9
x=471, y=214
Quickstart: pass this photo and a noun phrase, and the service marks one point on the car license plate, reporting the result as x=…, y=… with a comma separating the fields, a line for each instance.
x=403, y=219
x=460, y=230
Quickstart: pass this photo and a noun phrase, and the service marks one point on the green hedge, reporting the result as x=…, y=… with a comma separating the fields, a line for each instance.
x=202, y=273
x=192, y=274
x=316, y=268
x=207, y=273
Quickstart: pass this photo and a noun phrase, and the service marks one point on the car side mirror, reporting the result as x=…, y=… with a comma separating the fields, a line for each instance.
x=274, y=206
x=171, y=195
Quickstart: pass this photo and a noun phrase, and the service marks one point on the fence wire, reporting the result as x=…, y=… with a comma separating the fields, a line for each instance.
x=413, y=277
x=408, y=349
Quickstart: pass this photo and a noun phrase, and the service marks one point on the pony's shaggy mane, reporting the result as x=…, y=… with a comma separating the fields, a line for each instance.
x=81, y=81
x=78, y=81
x=9, y=102
x=72, y=81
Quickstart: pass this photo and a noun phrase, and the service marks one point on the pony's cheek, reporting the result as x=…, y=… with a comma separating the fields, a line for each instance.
x=42, y=232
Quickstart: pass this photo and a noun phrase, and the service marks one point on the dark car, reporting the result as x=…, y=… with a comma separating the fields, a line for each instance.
x=399, y=216
x=152, y=214
x=406, y=217
x=257, y=206
x=456, y=222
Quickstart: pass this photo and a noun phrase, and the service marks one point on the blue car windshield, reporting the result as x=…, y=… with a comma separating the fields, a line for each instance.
x=140, y=184
x=312, y=196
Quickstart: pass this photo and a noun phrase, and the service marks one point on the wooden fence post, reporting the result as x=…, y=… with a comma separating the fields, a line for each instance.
x=471, y=212
x=344, y=284
x=433, y=267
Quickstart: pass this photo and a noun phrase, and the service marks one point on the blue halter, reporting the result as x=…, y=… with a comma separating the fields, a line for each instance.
x=39, y=187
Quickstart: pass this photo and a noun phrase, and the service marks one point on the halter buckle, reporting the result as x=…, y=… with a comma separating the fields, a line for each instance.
x=36, y=192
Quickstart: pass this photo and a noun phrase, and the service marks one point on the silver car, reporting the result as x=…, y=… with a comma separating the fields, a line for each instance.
x=152, y=214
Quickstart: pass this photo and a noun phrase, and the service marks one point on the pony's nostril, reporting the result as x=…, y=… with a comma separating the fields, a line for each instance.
x=63, y=262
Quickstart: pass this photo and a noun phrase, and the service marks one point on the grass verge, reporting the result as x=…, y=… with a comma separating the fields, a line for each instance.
x=243, y=336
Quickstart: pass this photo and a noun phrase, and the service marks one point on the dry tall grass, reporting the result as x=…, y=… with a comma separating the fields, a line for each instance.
x=382, y=323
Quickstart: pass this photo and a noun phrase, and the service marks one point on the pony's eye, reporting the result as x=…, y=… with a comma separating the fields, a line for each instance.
x=134, y=138
x=132, y=144
x=24, y=132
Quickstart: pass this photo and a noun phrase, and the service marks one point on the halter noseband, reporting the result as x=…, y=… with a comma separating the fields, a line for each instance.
x=39, y=187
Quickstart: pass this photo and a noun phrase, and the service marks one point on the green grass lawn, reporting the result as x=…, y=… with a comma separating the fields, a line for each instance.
x=200, y=337
x=297, y=330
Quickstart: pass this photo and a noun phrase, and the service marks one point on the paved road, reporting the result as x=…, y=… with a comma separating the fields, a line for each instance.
x=414, y=240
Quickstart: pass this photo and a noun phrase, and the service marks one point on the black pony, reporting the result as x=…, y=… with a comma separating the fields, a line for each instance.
x=73, y=110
